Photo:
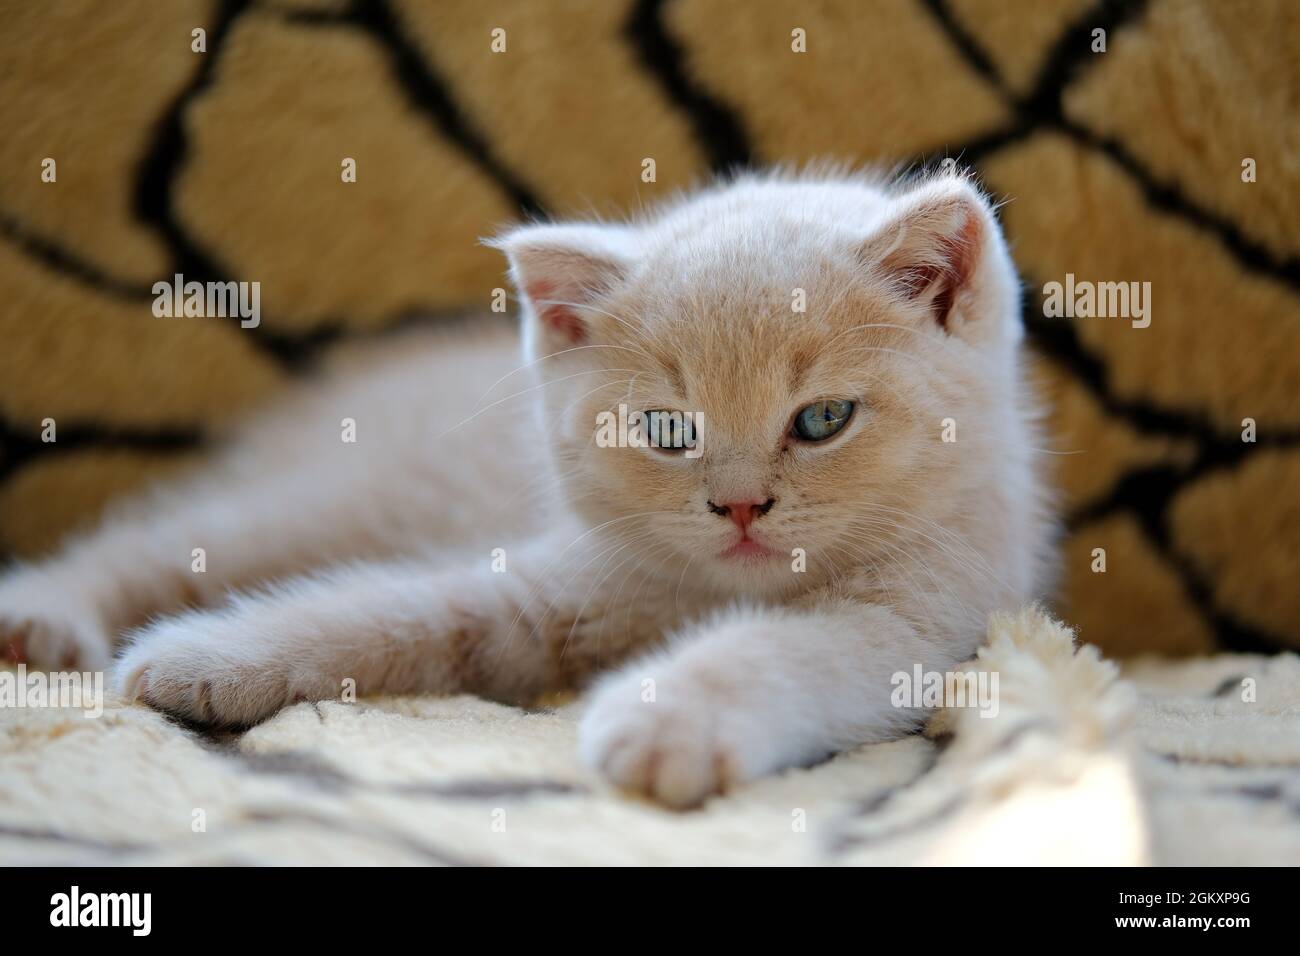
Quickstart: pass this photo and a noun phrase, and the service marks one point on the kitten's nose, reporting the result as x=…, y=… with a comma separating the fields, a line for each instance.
x=742, y=512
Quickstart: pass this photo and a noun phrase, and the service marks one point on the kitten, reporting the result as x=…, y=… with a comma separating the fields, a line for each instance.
x=827, y=338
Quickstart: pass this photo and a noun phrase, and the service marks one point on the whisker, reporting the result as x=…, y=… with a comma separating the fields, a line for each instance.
x=543, y=358
x=534, y=388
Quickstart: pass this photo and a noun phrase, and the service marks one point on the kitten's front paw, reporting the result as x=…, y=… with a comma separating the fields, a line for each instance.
x=206, y=668
x=49, y=626
x=678, y=743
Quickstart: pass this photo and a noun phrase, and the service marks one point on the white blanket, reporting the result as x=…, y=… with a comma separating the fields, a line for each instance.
x=1194, y=762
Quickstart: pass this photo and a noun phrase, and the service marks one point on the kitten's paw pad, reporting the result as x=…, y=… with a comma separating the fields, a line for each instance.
x=46, y=628
x=182, y=667
x=678, y=753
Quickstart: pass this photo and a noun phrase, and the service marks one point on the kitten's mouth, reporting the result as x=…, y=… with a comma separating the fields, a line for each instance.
x=747, y=547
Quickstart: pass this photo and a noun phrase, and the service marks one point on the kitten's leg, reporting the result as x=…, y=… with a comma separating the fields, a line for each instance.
x=752, y=692
x=389, y=628
x=248, y=518
x=287, y=494
x=66, y=610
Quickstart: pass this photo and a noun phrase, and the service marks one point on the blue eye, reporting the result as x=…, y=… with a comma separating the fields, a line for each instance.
x=670, y=431
x=820, y=420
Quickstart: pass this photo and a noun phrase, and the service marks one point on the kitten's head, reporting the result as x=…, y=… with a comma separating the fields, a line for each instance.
x=821, y=338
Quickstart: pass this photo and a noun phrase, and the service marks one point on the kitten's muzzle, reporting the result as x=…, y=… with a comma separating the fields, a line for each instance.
x=742, y=513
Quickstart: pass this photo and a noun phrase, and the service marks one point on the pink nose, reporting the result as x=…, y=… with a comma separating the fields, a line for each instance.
x=742, y=513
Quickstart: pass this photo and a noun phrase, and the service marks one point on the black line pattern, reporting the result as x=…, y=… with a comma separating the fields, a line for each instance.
x=16, y=448
x=721, y=132
x=156, y=179
x=1144, y=493
x=431, y=94
x=314, y=771
x=68, y=264
x=719, y=129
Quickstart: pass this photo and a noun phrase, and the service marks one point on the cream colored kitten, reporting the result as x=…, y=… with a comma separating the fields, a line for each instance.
x=749, y=604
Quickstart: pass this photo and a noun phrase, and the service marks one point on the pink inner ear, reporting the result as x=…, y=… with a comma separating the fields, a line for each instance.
x=562, y=319
x=958, y=253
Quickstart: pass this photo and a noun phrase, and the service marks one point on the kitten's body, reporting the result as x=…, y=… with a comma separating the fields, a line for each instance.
x=903, y=542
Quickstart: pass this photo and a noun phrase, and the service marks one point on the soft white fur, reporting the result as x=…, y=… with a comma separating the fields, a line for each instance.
x=719, y=669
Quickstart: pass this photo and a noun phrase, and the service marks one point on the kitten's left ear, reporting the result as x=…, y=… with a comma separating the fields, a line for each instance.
x=940, y=248
x=559, y=270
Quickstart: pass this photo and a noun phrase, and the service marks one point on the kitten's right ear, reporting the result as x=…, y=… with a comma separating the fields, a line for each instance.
x=561, y=271
x=940, y=247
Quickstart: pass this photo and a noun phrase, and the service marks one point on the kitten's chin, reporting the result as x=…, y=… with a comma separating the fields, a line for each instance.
x=748, y=551
x=753, y=570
